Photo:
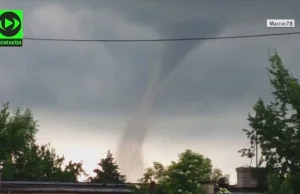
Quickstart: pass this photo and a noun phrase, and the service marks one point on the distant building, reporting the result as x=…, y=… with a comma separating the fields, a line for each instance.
x=245, y=178
x=246, y=184
x=20, y=187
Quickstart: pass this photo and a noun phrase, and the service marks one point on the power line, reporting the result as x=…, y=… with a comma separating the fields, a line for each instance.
x=161, y=40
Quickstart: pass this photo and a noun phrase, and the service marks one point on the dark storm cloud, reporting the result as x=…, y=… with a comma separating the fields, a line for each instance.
x=227, y=83
x=113, y=77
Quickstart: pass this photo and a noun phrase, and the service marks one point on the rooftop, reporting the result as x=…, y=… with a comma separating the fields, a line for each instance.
x=59, y=187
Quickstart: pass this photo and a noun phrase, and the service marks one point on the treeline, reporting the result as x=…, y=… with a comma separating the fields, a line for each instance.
x=274, y=128
x=22, y=159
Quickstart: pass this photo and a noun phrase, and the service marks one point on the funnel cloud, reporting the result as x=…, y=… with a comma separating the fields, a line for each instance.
x=173, y=53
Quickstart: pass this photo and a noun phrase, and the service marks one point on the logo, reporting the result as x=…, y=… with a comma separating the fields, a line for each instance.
x=11, y=29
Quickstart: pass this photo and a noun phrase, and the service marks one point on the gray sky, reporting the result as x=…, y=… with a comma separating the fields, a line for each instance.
x=84, y=93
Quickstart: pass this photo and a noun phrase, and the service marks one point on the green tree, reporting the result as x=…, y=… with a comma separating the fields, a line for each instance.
x=276, y=186
x=17, y=132
x=217, y=174
x=107, y=171
x=20, y=156
x=182, y=176
x=186, y=175
x=72, y=171
x=275, y=126
x=154, y=173
x=41, y=163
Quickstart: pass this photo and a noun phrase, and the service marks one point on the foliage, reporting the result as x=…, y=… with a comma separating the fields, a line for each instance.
x=17, y=132
x=217, y=174
x=275, y=126
x=140, y=188
x=107, y=171
x=186, y=175
x=40, y=163
x=20, y=156
x=182, y=176
x=260, y=174
x=276, y=186
x=72, y=171
x=154, y=173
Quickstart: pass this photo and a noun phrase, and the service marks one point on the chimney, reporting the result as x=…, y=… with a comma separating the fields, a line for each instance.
x=245, y=178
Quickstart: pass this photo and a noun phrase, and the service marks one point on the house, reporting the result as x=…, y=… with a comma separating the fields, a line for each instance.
x=23, y=187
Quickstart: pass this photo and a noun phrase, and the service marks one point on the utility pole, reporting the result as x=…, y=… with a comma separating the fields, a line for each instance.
x=256, y=149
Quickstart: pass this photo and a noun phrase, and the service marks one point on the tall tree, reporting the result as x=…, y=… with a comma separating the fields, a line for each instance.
x=187, y=173
x=17, y=132
x=184, y=175
x=20, y=156
x=275, y=127
x=107, y=171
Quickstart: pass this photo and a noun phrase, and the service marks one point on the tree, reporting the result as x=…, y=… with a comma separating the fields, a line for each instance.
x=154, y=173
x=17, y=132
x=107, y=171
x=186, y=175
x=275, y=126
x=276, y=186
x=72, y=171
x=217, y=174
x=182, y=176
x=20, y=156
x=41, y=163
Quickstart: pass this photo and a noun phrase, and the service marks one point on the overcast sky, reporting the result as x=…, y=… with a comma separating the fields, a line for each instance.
x=84, y=93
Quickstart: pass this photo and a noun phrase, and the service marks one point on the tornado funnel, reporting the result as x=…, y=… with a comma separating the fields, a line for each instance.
x=130, y=147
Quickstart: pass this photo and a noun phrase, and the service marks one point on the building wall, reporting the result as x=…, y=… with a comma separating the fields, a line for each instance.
x=208, y=188
x=245, y=178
